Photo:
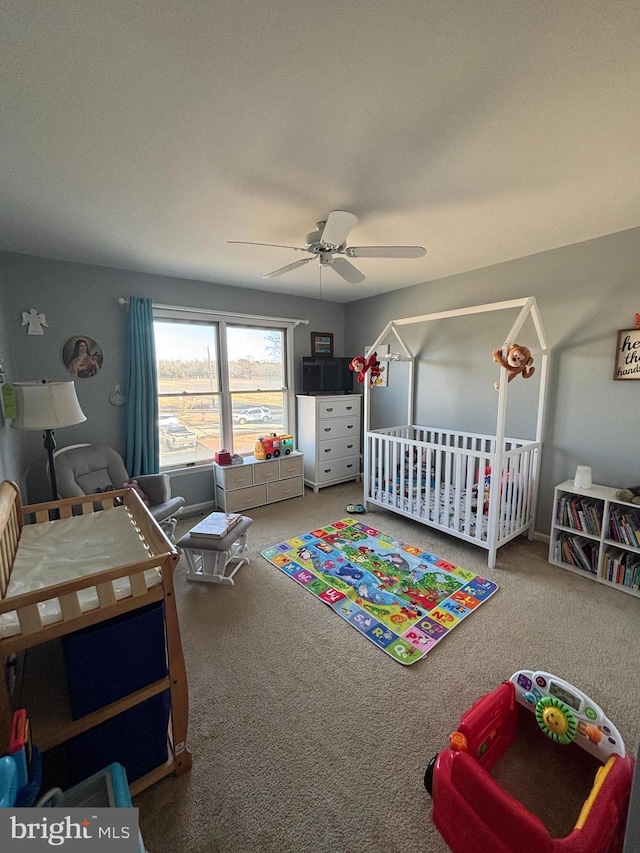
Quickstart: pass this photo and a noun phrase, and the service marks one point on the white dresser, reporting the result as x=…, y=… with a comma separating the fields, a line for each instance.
x=258, y=482
x=329, y=437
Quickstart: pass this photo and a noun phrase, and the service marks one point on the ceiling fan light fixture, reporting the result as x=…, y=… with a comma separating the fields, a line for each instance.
x=328, y=243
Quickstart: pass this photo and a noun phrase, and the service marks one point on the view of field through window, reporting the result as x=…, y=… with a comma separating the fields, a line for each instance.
x=190, y=387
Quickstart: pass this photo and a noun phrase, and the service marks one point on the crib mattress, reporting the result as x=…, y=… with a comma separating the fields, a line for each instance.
x=53, y=552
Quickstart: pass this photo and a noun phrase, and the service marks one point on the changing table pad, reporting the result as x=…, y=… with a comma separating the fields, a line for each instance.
x=52, y=552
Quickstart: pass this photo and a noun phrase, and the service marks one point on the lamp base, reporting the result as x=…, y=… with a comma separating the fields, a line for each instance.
x=50, y=446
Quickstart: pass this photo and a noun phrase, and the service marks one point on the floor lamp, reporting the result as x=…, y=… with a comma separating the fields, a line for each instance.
x=47, y=406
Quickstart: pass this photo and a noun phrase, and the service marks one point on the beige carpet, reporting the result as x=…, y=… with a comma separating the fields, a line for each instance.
x=307, y=739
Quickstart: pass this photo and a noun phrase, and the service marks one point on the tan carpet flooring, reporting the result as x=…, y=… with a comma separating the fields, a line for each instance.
x=306, y=737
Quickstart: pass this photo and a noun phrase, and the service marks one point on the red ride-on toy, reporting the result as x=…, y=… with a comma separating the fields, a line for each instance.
x=474, y=814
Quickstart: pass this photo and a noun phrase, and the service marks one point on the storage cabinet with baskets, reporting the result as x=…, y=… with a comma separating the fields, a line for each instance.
x=258, y=482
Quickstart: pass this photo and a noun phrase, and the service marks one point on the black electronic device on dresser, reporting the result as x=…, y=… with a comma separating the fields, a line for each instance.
x=326, y=375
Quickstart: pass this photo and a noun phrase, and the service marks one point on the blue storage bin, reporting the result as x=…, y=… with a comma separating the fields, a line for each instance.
x=112, y=659
x=136, y=738
x=108, y=788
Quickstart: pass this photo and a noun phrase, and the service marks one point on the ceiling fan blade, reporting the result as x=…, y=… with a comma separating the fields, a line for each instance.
x=385, y=251
x=275, y=245
x=289, y=268
x=337, y=226
x=347, y=270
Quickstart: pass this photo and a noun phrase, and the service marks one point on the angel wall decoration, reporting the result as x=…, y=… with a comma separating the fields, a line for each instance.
x=35, y=321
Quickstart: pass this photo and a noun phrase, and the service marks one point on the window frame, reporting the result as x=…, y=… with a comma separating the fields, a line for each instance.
x=221, y=320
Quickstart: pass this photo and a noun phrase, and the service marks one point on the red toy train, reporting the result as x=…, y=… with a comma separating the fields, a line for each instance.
x=273, y=445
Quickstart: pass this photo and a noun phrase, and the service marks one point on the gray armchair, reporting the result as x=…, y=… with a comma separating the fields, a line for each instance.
x=84, y=469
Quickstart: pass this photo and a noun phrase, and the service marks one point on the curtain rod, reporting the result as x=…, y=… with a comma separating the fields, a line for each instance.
x=296, y=321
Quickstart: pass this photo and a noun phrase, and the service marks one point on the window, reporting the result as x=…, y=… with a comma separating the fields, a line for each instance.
x=221, y=383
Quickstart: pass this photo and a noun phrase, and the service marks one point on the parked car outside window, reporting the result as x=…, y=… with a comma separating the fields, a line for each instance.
x=179, y=435
x=254, y=413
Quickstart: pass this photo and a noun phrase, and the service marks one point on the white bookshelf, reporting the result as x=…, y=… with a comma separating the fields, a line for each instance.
x=596, y=535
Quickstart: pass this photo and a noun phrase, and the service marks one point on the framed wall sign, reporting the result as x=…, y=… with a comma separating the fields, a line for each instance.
x=322, y=344
x=627, y=355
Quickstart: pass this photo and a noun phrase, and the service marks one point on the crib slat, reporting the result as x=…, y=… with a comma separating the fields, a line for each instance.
x=437, y=492
x=397, y=466
x=30, y=619
x=468, y=497
x=106, y=594
x=138, y=584
x=5, y=566
x=457, y=492
x=70, y=606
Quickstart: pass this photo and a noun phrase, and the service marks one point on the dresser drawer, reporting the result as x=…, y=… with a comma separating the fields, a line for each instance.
x=234, y=476
x=338, y=408
x=290, y=466
x=338, y=448
x=265, y=472
x=283, y=489
x=240, y=499
x=338, y=428
x=338, y=468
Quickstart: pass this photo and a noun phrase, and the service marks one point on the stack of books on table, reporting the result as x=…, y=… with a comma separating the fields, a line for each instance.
x=216, y=525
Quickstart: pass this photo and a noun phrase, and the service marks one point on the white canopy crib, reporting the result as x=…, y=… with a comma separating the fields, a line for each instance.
x=480, y=488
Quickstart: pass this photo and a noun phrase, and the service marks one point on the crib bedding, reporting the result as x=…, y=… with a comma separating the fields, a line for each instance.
x=53, y=552
x=449, y=510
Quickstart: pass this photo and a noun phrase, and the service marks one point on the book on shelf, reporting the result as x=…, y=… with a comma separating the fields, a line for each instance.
x=580, y=514
x=577, y=551
x=621, y=567
x=624, y=527
x=216, y=525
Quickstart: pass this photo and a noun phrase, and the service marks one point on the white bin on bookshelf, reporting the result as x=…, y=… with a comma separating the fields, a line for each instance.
x=596, y=535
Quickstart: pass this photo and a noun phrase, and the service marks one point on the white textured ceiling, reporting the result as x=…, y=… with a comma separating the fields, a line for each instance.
x=146, y=134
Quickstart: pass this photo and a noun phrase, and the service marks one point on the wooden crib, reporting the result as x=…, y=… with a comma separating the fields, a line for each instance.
x=41, y=614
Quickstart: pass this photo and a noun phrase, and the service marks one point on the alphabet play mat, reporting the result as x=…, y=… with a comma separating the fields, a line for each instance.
x=403, y=599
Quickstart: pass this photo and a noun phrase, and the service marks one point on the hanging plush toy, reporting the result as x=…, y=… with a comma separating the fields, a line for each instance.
x=519, y=360
x=360, y=365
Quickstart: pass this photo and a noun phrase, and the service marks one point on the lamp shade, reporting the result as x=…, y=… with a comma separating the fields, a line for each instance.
x=47, y=405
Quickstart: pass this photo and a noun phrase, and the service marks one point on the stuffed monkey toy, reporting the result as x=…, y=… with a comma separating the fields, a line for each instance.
x=361, y=365
x=519, y=360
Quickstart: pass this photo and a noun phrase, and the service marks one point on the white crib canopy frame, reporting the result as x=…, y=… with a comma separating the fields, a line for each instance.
x=528, y=308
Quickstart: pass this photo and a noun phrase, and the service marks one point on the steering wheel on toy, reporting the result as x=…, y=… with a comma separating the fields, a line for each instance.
x=556, y=719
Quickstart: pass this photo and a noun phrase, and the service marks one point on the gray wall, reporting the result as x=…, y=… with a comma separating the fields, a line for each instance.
x=585, y=293
x=83, y=299
x=11, y=454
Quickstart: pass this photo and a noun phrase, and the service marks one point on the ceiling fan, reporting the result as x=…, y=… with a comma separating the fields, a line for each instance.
x=328, y=244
